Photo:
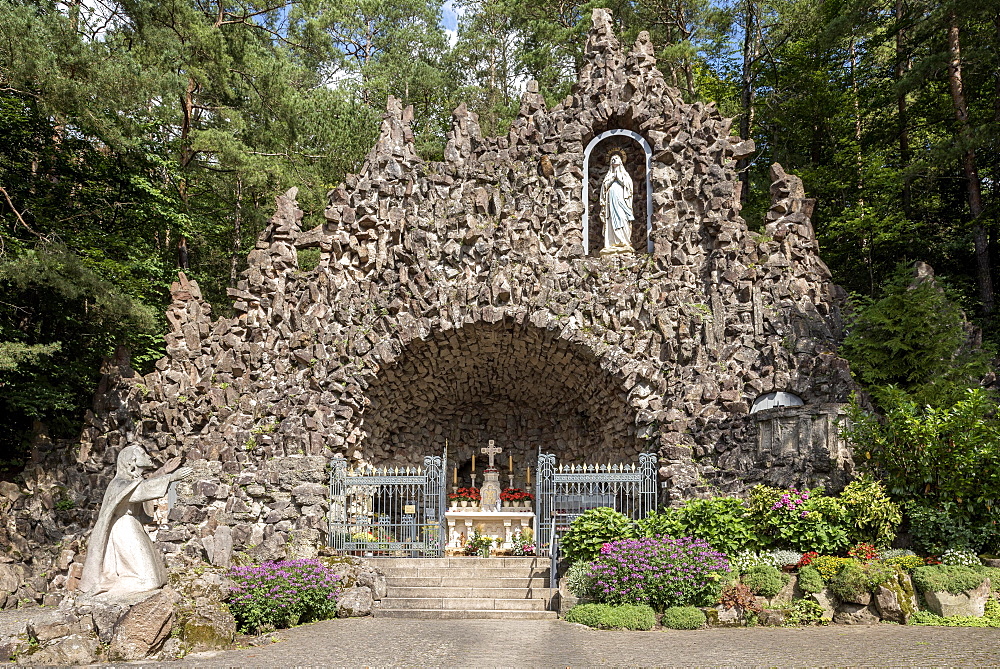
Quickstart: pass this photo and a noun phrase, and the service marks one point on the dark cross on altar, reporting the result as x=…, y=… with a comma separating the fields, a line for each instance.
x=491, y=450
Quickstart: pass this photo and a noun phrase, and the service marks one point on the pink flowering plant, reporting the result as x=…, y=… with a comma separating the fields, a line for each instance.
x=282, y=593
x=803, y=520
x=659, y=571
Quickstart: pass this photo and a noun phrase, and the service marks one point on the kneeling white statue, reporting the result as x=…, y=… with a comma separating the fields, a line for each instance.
x=121, y=559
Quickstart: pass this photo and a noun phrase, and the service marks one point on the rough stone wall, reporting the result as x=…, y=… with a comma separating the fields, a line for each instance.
x=453, y=302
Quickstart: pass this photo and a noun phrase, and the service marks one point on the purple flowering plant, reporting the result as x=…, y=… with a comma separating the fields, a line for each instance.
x=659, y=571
x=282, y=593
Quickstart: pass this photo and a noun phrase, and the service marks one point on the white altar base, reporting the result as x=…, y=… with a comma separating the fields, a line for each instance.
x=496, y=524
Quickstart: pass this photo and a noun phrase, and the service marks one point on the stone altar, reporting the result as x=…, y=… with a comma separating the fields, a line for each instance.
x=505, y=523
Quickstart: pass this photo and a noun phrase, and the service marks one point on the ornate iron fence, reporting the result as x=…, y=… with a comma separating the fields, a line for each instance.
x=564, y=492
x=388, y=511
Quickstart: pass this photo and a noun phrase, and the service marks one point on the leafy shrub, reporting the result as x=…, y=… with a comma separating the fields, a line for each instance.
x=658, y=571
x=905, y=562
x=829, y=566
x=659, y=522
x=855, y=579
x=871, y=516
x=765, y=581
x=956, y=556
x=723, y=522
x=586, y=614
x=739, y=595
x=779, y=558
x=606, y=616
x=683, y=618
x=941, y=457
x=810, y=580
x=805, y=612
x=579, y=580
x=935, y=530
x=593, y=529
x=803, y=520
x=629, y=617
x=955, y=579
x=282, y=593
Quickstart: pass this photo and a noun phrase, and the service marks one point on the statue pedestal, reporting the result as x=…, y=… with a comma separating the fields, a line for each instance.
x=495, y=524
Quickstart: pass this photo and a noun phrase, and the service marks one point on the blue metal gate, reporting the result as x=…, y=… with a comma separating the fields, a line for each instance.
x=564, y=492
x=388, y=511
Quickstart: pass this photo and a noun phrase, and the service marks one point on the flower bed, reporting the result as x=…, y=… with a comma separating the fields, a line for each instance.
x=282, y=593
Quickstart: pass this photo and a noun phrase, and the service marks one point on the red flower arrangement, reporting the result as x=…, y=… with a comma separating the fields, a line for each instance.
x=465, y=494
x=807, y=558
x=864, y=552
x=515, y=495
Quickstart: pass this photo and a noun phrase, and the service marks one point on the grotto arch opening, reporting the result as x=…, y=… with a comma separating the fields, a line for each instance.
x=528, y=388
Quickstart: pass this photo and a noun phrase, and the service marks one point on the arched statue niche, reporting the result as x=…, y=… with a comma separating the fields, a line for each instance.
x=618, y=138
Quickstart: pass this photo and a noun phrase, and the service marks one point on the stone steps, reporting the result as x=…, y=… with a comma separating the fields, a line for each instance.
x=453, y=588
x=449, y=614
x=466, y=582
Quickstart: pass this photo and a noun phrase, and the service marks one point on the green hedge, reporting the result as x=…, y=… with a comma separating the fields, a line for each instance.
x=955, y=579
x=607, y=616
x=765, y=580
x=683, y=618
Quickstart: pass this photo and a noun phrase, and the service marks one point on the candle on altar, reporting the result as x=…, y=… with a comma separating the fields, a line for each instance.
x=510, y=462
x=473, y=464
x=455, y=479
x=527, y=481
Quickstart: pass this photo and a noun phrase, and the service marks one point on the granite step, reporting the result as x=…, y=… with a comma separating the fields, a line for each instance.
x=444, y=581
x=453, y=614
x=451, y=591
x=465, y=603
x=463, y=572
x=449, y=562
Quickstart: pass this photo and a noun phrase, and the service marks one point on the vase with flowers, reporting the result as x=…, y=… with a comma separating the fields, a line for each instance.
x=464, y=496
x=516, y=497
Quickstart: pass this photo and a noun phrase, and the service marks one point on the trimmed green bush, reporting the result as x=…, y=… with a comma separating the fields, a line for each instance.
x=683, y=618
x=629, y=617
x=857, y=578
x=810, y=580
x=593, y=529
x=607, y=616
x=955, y=579
x=586, y=614
x=765, y=580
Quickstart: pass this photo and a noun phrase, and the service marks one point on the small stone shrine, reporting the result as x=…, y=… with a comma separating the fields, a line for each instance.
x=583, y=285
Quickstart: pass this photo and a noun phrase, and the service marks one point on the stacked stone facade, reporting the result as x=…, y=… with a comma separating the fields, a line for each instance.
x=453, y=303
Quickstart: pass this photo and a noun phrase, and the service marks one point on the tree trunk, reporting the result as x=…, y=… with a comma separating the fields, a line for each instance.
x=984, y=280
x=747, y=92
x=902, y=67
x=234, y=259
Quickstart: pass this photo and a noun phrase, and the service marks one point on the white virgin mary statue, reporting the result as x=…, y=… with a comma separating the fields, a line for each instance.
x=616, y=208
x=120, y=557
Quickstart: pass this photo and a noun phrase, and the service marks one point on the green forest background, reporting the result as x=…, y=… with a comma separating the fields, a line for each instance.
x=139, y=137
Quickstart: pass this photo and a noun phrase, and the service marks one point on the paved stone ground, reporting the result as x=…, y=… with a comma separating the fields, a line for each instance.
x=365, y=642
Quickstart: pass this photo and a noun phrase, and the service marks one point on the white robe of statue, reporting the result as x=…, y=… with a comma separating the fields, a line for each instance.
x=616, y=207
x=120, y=557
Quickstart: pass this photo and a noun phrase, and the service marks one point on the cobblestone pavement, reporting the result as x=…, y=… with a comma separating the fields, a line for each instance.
x=364, y=642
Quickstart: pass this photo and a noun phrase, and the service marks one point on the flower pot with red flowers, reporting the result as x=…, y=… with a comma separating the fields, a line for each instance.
x=515, y=497
x=464, y=496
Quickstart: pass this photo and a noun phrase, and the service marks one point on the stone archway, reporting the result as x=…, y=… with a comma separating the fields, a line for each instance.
x=522, y=385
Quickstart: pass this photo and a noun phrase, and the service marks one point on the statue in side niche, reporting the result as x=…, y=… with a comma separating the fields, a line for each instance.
x=121, y=559
x=616, y=207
